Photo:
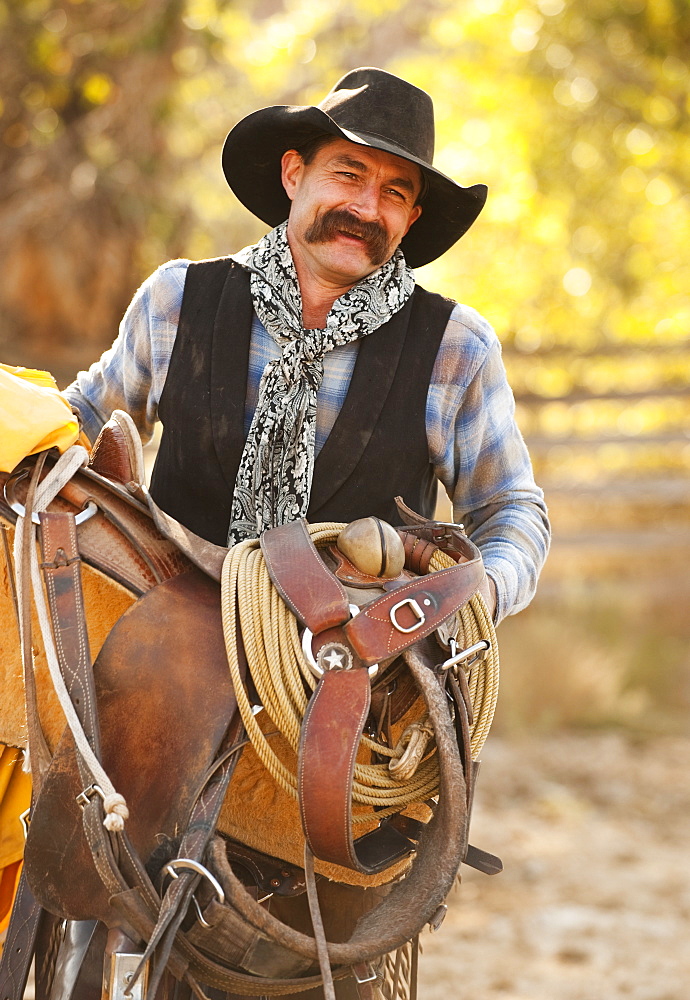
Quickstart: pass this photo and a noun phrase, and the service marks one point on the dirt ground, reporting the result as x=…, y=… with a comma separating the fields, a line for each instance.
x=594, y=901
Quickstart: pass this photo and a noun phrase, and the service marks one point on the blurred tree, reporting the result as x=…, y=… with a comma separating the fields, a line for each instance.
x=85, y=93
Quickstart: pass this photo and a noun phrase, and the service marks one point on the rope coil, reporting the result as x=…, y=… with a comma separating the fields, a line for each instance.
x=284, y=682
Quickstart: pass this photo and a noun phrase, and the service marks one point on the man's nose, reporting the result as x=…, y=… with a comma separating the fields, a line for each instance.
x=366, y=203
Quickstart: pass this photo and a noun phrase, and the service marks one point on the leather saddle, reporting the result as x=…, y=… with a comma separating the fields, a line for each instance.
x=170, y=743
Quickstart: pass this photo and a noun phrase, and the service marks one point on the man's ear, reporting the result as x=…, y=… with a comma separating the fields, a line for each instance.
x=414, y=215
x=291, y=167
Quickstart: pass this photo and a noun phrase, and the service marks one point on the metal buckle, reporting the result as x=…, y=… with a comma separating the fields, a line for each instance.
x=450, y=525
x=188, y=864
x=467, y=657
x=364, y=972
x=416, y=610
x=120, y=973
x=83, y=515
x=85, y=797
x=316, y=667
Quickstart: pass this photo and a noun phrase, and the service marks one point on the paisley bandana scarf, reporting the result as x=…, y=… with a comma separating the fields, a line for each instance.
x=274, y=478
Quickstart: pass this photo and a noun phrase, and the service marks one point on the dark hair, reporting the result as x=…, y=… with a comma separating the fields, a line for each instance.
x=311, y=146
x=308, y=149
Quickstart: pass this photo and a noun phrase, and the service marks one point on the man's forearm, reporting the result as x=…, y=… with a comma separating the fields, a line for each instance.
x=513, y=538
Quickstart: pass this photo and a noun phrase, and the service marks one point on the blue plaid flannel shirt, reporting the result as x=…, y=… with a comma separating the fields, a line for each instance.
x=475, y=446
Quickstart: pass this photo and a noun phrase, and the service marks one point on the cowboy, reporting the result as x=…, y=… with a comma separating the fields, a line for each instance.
x=309, y=375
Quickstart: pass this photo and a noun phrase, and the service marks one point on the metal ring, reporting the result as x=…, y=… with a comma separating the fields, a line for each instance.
x=83, y=515
x=416, y=611
x=317, y=671
x=199, y=914
x=194, y=866
x=473, y=654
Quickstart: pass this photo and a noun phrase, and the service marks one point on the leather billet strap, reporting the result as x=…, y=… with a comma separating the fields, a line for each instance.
x=331, y=731
x=336, y=714
x=20, y=942
x=61, y=567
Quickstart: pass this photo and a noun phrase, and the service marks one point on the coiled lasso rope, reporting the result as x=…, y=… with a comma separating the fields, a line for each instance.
x=283, y=680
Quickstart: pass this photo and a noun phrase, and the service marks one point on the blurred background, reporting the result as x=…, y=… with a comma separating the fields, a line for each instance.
x=576, y=115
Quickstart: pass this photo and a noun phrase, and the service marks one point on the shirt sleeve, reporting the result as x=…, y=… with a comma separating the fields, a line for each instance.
x=479, y=455
x=131, y=374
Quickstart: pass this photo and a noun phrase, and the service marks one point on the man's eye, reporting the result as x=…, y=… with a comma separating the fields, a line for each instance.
x=347, y=173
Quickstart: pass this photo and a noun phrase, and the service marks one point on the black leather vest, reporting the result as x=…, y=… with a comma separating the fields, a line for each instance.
x=377, y=449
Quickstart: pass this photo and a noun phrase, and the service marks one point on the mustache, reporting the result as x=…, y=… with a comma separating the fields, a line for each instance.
x=336, y=220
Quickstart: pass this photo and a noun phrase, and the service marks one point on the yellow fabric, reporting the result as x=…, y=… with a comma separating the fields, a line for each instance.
x=15, y=798
x=34, y=416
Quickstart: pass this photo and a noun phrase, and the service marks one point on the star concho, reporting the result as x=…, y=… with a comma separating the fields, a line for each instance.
x=334, y=656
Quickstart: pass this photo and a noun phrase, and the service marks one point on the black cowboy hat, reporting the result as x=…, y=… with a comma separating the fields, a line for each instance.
x=369, y=107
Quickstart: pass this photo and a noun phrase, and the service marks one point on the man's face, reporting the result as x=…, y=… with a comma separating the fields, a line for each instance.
x=351, y=207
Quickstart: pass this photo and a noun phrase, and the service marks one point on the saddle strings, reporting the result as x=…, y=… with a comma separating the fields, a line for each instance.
x=73, y=459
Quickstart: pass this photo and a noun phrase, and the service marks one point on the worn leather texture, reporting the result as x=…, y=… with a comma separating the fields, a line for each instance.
x=160, y=729
x=123, y=556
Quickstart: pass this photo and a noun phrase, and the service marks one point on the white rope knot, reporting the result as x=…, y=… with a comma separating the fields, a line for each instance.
x=116, y=812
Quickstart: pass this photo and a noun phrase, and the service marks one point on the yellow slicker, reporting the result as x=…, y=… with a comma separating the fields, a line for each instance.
x=34, y=416
x=15, y=798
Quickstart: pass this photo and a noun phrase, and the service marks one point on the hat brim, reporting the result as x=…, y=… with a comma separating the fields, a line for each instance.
x=252, y=156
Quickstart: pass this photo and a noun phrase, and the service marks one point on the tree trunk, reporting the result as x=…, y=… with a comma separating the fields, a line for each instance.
x=82, y=162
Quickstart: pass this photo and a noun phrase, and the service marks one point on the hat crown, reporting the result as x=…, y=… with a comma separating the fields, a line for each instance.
x=369, y=107
x=372, y=102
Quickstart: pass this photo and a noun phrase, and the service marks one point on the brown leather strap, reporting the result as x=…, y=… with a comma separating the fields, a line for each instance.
x=61, y=567
x=331, y=731
x=18, y=949
x=393, y=622
x=202, y=823
x=317, y=924
x=448, y=537
x=307, y=586
x=336, y=714
x=418, y=551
